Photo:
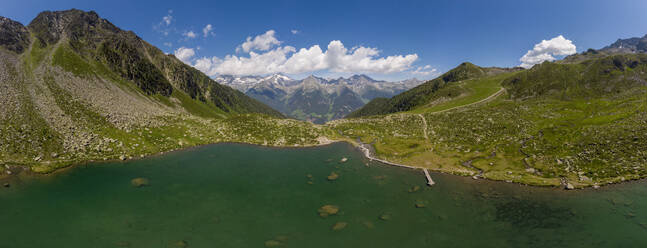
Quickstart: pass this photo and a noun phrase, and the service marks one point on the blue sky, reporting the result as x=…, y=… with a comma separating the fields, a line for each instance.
x=441, y=34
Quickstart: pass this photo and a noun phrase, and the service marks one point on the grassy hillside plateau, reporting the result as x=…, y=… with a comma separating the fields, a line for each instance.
x=571, y=124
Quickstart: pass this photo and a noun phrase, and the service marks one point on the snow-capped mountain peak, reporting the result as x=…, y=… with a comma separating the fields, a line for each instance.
x=278, y=79
x=360, y=84
x=312, y=94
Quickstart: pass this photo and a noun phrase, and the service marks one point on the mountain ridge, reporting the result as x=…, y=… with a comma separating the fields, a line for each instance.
x=74, y=87
x=123, y=52
x=320, y=99
x=620, y=46
x=428, y=91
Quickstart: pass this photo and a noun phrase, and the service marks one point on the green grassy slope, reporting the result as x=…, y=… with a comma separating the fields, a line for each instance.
x=587, y=79
x=577, y=123
x=76, y=88
x=41, y=143
x=472, y=91
x=440, y=89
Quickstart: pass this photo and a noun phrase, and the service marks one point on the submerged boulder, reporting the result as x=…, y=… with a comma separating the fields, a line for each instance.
x=272, y=243
x=327, y=210
x=181, y=244
x=382, y=177
x=339, y=225
x=123, y=244
x=139, y=182
x=281, y=238
x=644, y=225
x=333, y=176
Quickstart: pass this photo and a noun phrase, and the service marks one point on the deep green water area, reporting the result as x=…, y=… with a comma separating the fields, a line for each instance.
x=234, y=195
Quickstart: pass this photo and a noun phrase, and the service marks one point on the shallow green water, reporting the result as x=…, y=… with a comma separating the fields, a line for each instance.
x=231, y=195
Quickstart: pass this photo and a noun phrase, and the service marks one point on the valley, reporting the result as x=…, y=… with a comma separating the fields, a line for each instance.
x=323, y=124
x=70, y=98
x=316, y=99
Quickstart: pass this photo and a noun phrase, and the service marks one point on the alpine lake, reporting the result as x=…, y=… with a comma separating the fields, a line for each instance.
x=236, y=195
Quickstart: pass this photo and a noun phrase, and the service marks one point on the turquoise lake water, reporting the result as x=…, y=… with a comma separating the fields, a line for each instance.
x=234, y=195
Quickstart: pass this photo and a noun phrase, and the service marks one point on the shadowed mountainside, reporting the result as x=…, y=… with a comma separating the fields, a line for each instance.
x=96, y=40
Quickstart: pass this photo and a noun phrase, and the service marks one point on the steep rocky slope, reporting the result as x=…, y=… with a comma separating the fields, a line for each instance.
x=74, y=87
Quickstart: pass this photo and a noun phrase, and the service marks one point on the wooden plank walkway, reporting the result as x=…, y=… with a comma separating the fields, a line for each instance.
x=367, y=153
x=430, y=182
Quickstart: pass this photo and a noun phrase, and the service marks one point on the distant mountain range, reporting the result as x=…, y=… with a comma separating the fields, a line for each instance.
x=631, y=45
x=621, y=46
x=313, y=98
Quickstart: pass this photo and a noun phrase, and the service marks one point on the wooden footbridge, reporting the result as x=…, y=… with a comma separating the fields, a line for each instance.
x=430, y=181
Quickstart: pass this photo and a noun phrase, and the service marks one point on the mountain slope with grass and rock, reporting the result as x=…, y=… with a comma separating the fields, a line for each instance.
x=74, y=88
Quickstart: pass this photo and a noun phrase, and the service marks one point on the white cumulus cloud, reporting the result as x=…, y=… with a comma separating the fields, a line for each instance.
x=287, y=59
x=164, y=27
x=425, y=71
x=261, y=42
x=190, y=34
x=167, y=19
x=184, y=54
x=294, y=31
x=546, y=50
x=207, y=30
x=265, y=55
